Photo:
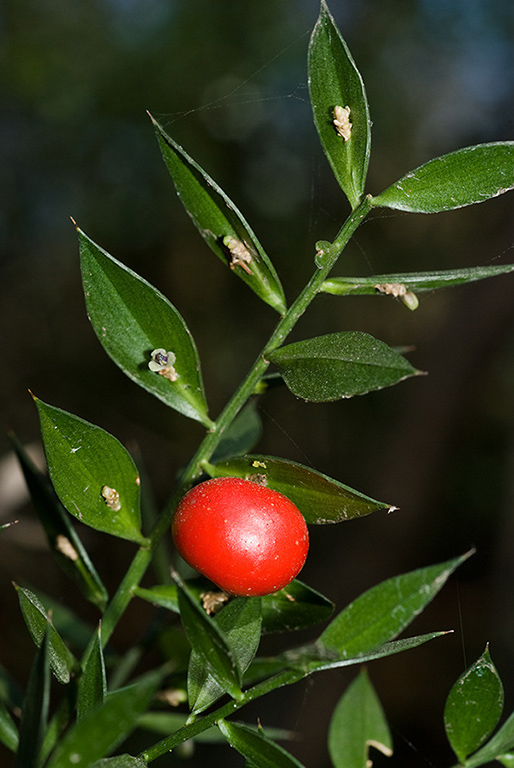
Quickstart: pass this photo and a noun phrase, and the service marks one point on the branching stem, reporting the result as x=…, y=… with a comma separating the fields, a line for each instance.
x=143, y=557
x=287, y=677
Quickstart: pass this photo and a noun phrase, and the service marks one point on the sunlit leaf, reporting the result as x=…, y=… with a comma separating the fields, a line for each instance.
x=220, y=223
x=467, y=176
x=240, y=621
x=340, y=106
x=339, y=365
x=474, y=707
x=92, y=473
x=256, y=747
x=319, y=498
x=358, y=723
x=132, y=319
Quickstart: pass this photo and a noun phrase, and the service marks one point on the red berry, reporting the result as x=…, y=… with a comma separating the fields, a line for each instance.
x=247, y=539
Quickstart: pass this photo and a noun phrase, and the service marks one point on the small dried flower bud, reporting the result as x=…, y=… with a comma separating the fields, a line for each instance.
x=112, y=498
x=342, y=122
x=66, y=548
x=213, y=601
x=239, y=254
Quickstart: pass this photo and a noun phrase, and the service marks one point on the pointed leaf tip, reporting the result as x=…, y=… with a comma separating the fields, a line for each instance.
x=320, y=498
x=465, y=177
x=339, y=105
x=133, y=321
x=474, y=707
x=92, y=473
x=220, y=223
x=357, y=724
x=339, y=365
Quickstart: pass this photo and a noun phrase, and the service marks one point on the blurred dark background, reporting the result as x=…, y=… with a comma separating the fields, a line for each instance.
x=228, y=80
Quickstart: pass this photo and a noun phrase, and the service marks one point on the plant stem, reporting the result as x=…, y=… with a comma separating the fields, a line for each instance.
x=144, y=555
x=287, y=677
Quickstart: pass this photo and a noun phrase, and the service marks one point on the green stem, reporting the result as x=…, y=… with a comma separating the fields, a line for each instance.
x=287, y=677
x=143, y=557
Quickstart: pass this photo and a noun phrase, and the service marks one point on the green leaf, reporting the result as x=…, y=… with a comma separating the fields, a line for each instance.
x=166, y=595
x=316, y=658
x=387, y=649
x=334, y=81
x=357, y=724
x=295, y=607
x=11, y=693
x=507, y=760
x=240, y=620
x=132, y=319
x=220, y=223
x=66, y=546
x=165, y=723
x=319, y=498
x=34, y=714
x=92, y=684
x=255, y=747
x=8, y=731
x=474, y=707
x=417, y=282
x=209, y=641
x=62, y=661
x=499, y=746
x=339, y=365
x=121, y=761
x=59, y=722
x=242, y=435
x=92, y=473
x=381, y=613
x=467, y=176
x=74, y=631
x=106, y=726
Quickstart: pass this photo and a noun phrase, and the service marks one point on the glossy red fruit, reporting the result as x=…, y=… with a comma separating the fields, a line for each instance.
x=247, y=539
